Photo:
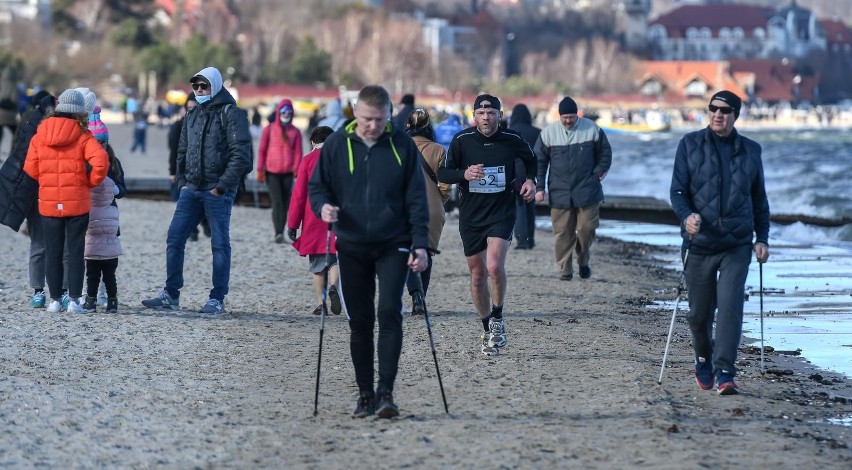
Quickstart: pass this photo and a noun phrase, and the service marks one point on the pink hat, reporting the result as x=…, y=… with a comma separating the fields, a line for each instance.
x=97, y=127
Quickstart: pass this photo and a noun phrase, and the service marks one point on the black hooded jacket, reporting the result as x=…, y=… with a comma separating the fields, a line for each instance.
x=18, y=192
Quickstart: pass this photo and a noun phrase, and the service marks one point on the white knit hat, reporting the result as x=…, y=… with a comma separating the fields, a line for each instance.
x=71, y=101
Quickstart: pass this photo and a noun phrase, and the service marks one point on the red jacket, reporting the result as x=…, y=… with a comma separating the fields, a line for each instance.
x=314, y=231
x=274, y=154
x=57, y=159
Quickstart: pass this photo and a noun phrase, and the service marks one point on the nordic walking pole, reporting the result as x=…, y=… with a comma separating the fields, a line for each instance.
x=324, y=313
x=418, y=293
x=680, y=286
x=762, y=370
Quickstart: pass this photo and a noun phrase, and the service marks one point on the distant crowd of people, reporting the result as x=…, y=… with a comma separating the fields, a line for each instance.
x=366, y=205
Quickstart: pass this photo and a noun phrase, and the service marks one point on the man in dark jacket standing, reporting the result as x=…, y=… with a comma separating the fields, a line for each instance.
x=578, y=155
x=214, y=154
x=20, y=196
x=718, y=195
x=521, y=122
x=369, y=184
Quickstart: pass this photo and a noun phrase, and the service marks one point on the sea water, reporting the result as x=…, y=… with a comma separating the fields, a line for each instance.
x=807, y=282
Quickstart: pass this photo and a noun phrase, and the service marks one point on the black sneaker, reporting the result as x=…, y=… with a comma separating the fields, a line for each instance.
x=585, y=272
x=112, y=305
x=365, y=407
x=91, y=304
x=566, y=277
x=417, y=306
x=385, y=407
x=334, y=297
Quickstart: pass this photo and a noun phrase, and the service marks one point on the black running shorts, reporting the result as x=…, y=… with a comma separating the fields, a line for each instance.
x=475, y=238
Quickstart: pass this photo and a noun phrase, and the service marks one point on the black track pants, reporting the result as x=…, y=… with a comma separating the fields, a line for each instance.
x=360, y=267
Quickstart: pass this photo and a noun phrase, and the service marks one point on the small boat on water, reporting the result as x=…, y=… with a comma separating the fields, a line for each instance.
x=652, y=121
x=626, y=128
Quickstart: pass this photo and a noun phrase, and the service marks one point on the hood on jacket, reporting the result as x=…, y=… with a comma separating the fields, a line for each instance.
x=60, y=131
x=520, y=115
x=453, y=119
x=334, y=109
x=284, y=102
x=213, y=77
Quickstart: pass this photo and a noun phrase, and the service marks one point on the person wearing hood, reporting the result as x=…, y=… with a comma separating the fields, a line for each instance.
x=448, y=129
x=278, y=159
x=521, y=122
x=214, y=155
x=334, y=117
x=67, y=161
x=20, y=195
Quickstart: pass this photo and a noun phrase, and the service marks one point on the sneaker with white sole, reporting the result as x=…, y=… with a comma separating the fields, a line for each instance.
x=39, y=300
x=55, y=306
x=163, y=300
x=74, y=307
x=725, y=384
x=496, y=333
x=102, y=295
x=486, y=347
x=213, y=306
x=64, y=300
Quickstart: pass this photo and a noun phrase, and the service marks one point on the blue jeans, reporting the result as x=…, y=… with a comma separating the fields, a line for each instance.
x=192, y=206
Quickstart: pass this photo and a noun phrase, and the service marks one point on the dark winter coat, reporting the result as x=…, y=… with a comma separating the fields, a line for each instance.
x=379, y=189
x=521, y=122
x=215, y=145
x=577, y=159
x=696, y=180
x=18, y=191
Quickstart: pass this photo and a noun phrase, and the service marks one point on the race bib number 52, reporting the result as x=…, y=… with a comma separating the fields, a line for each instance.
x=494, y=181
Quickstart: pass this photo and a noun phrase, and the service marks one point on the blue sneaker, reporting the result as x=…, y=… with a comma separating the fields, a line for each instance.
x=64, y=300
x=163, y=300
x=704, y=373
x=725, y=383
x=213, y=306
x=39, y=300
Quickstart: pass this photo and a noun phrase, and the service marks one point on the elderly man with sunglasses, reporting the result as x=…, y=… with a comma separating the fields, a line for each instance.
x=214, y=154
x=718, y=194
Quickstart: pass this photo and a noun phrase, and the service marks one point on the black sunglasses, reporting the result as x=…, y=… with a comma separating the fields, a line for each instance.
x=723, y=109
x=200, y=86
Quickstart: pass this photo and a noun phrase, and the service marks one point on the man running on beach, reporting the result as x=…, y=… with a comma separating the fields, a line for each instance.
x=369, y=184
x=718, y=195
x=481, y=160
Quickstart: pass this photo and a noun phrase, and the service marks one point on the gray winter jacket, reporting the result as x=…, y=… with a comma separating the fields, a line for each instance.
x=577, y=159
x=102, y=241
x=215, y=148
x=696, y=180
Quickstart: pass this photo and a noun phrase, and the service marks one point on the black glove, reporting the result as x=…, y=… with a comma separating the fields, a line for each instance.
x=291, y=232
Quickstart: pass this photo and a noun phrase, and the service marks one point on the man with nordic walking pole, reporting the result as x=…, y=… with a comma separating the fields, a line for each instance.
x=718, y=194
x=369, y=185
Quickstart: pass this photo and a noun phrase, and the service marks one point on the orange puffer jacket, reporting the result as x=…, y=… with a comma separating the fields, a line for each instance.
x=57, y=159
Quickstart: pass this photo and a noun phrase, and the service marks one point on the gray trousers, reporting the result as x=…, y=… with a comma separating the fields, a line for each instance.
x=716, y=285
x=36, y=230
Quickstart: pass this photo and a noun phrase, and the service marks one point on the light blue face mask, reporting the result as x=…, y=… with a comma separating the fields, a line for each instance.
x=202, y=98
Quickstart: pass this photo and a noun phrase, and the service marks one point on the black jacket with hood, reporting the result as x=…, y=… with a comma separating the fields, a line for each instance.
x=379, y=189
x=215, y=148
x=19, y=191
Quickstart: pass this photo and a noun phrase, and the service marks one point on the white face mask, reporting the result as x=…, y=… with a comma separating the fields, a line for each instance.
x=285, y=118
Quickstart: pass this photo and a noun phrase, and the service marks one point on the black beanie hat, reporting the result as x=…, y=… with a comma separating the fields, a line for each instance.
x=567, y=106
x=408, y=99
x=731, y=99
x=486, y=101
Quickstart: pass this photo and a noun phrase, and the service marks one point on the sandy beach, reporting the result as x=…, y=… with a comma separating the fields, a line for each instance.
x=577, y=385
x=575, y=388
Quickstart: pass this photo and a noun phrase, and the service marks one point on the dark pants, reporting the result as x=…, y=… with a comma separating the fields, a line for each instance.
x=280, y=188
x=63, y=234
x=139, y=138
x=95, y=268
x=191, y=207
x=359, y=267
x=716, y=286
x=524, y=222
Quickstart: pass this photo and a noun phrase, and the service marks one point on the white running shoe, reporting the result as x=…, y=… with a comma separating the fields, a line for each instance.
x=496, y=333
x=74, y=307
x=486, y=347
x=102, y=296
x=55, y=306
